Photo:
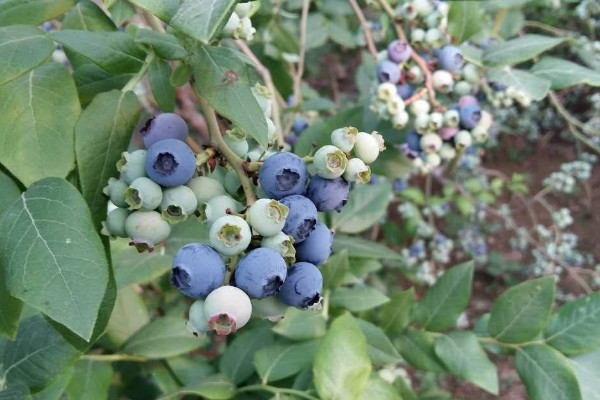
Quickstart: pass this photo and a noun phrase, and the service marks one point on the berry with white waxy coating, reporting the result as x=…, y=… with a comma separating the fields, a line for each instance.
x=227, y=309
x=399, y=51
x=386, y=91
x=178, y=203
x=302, y=287
x=260, y=273
x=480, y=134
x=114, y=226
x=447, y=152
x=329, y=162
x=197, y=321
x=431, y=142
x=233, y=23
x=170, y=162
x=422, y=7
x=368, y=146
x=470, y=74
x=243, y=9
x=283, y=174
x=143, y=194
x=486, y=120
x=463, y=88
x=267, y=216
x=395, y=105
x=230, y=235
x=146, y=228
x=301, y=219
x=388, y=71
x=417, y=35
x=451, y=118
x=238, y=145
x=317, y=248
x=281, y=243
x=419, y=107
x=422, y=123
x=450, y=58
x=463, y=139
x=246, y=31
x=415, y=75
x=436, y=120
x=164, y=126
x=434, y=37
x=357, y=171
x=328, y=194
x=197, y=270
x=132, y=165
x=115, y=190
x=217, y=207
x=344, y=138
x=432, y=160
x=205, y=188
x=470, y=115
x=400, y=119
x=442, y=81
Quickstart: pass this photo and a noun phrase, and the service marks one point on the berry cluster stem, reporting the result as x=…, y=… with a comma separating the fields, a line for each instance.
x=365, y=27
x=216, y=140
x=139, y=75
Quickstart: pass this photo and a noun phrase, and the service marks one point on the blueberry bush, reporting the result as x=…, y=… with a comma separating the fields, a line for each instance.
x=296, y=199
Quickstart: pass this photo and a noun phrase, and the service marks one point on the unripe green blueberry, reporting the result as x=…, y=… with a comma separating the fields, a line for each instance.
x=114, y=226
x=463, y=139
x=447, y=152
x=330, y=162
x=470, y=74
x=271, y=131
x=395, y=105
x=386, y=91
x=267, y=216
x=486, y=120
x=143, y=194
x=115, y=190
x=422, y=123
x=400, y=119
x=480, y=134
x=205, y=188
x=451, y=118
x=230, y=235
x=262, y=95
x=432, y=160
x=463, y=88
x=422, y=7
x=344, y=138
x=232, y=182
x=431, y=142
x=197, y=319
x=246, y=30
x=132, y=165
x=420, y=107
x=227, y=309
x=232, y=25
x=442, y=81
x=434, y=37
x=237, y=145
x=436, y=120
x=417, y=35
x=178, y=203
x=433, y=20
x=415, y=75
x=146, y=228
x=357, y=171
x=217, y=207
x=243, y=9
x=409, y=11
x=507, y=102
x=368, y=146
x=283, y=244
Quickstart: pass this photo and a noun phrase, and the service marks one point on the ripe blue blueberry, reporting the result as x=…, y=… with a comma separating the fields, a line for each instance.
x=316, y=249
x=283, y=174
x=302, y=288
x=170, y=162
x=164, y=126
x=197, y=270
x=413, y=140
x=260, y=273
x=405, y=90
x=301, y=219
x=450, y=58
x=398, y=51
x=470, y=115
x=466, y=100
x=300, y=125
x=388, y=71
x=328, y=194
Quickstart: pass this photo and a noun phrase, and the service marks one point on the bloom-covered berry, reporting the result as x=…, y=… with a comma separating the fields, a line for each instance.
x=405, y=90
x=197, y=320
x=419, y=107
x=388, y=71
x=260, y=273
x=164, y=126
x=115, y=190
x=170, y=162
x=301, y=219
x=452, y=118
x=344, y=138
x=146, y=228
x=329, y=162
x=470, y=115
x=143, y=194
x=132, y=165
x=300, y=125
x=467, y=100
x=442, y=81
x=398, y=51
x=230, y=235
x=303, y=286
x=219, y=206
x=463, y=139
x=281, y=243
x=317, y=248
x=239, y=145
x=267, y=216
x=283, y=174
x=178, y=203
x=205, y=188
x=227, y=309
x=368, y=146
x=436, y=120
x=450, y=58
x=328, y=194
x=114, y=226
x=197, y=270
x=357, y=171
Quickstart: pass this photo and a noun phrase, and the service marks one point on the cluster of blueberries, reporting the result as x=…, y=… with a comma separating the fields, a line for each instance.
x=272, y=248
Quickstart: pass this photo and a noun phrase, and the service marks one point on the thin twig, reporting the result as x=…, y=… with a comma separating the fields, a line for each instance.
x=302, y=51
x=390, y=12
x=365, y=27
x=187, y=110
x=545, y=27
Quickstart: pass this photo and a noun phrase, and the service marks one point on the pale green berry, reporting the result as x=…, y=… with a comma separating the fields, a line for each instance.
x=395, y=105
x=368, y=146
x=205, y=188
x=267, y=216
x=344, y=138
x=419, y=107
x=434, y=37
x=486, y=120
x=415, y=75
x=197, y=319
x=451, y=118
x=480, y=134
x=463, y=88
x=244, y=9
x=400, y=119
x=218, y=206
x=230, y=235
x=114, y=226
x=432, y=160
x=422, y=123
x=447, y=152
x=436, y=120
x=357, y=171
x=442, y=81
x=232, y=25
x=422, y=7
x=178, y=203
x=386, y=91
x=417, y=35
x=431, y=142
x=463, y=139
x=132, y=165
x=143, y=194
x=246, y=30
x=470, y=74
x=232, y=182
x=409, y=11
x=282, y=243
x=329, y=162
x=227, y=309
x=238, y=146
x=115, y=190
x=146, y=228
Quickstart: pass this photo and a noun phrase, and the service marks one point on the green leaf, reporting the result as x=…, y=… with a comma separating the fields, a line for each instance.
x=395, y=315
x=357, y=298
x=128, y=316
x=15, y=392
x=417, y=348
x=165, y=45
x=188, y=368
x=536, y=87
x=159, y=74
x=52, y=255
x=10, y=309
x=115, y=52
x=464, y=20
x=223, y=78
x=56, y=389
x=91, y=80
x=163, y=337
x=200, y=19
x=334, y=268
x=574, y=328
x=342, y=366
x=381, y=350
x=216, y=387
x=512, y=24
x=39, y=111
x=546, y=373
x=101, y=135
x=37, y=356
x=121, y=11
x=283, y=360
x=301, y=324
x=181, y=75
x=90, y=381
x=192, y=230
x=132, y=267
x=366, y=205
x=463, y=357
x=87, y=16
x=518, y=50
x=237, y=362
x=32, y=12
x=446, y=299
x=22, y=48
x=563, y=73
x=521, y=313
x=361, y=248
x=378, y=389
x=10, y=191
x=587, y=369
